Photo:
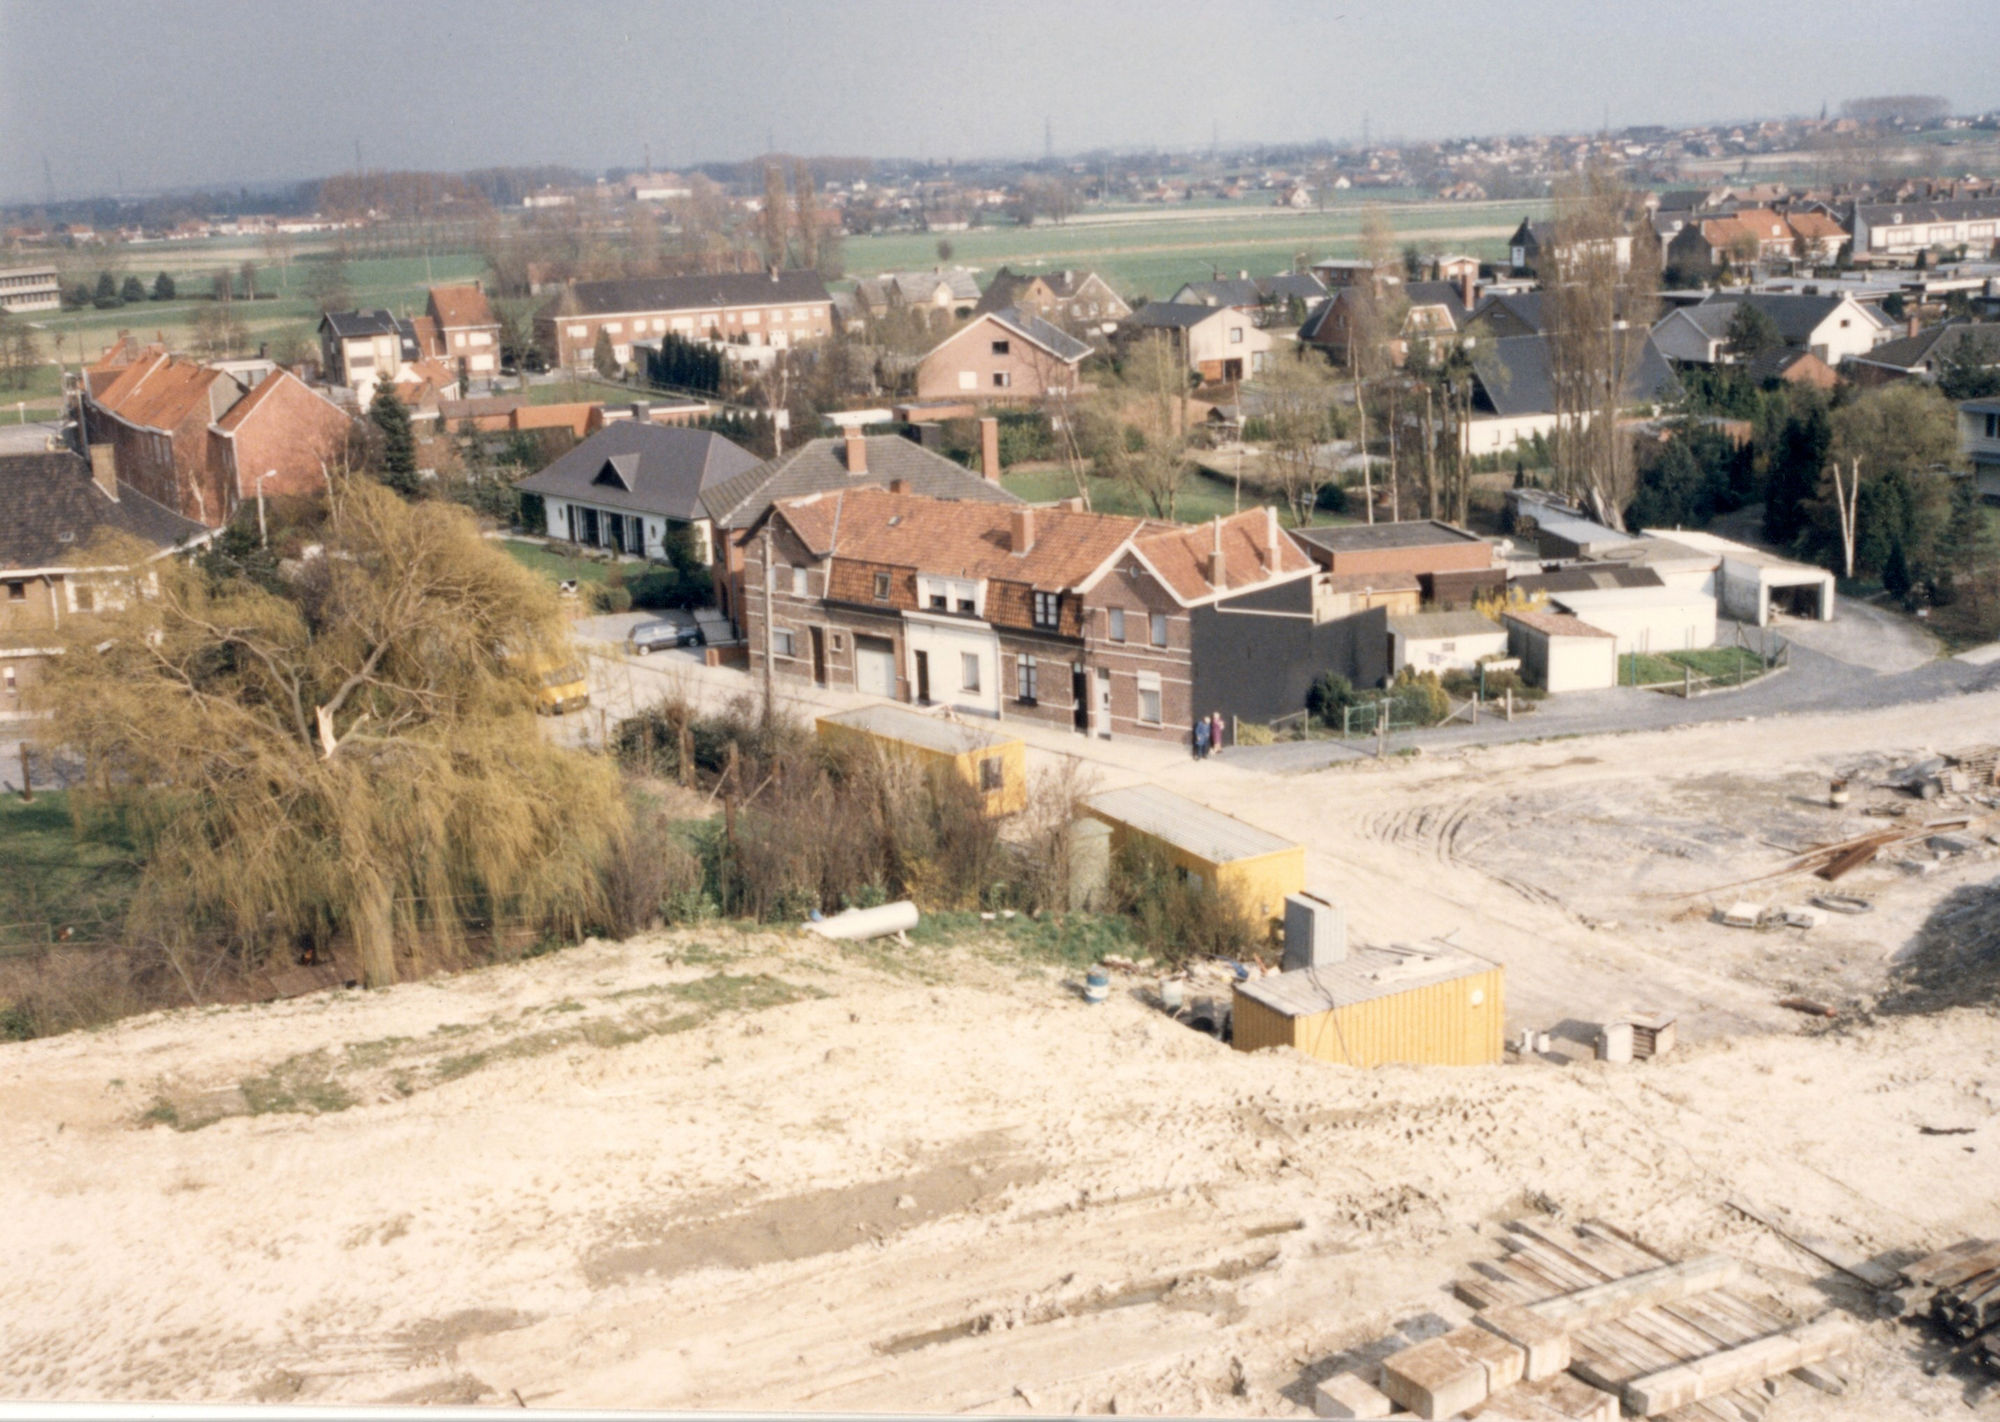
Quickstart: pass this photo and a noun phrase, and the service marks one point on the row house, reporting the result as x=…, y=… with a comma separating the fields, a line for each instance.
x=1749, y=235
x=776, y=309
x=1890, y=228
x=1097, y=623
x=54, y=508
x=1074, y=300
x=37, y=288
x=193, y=439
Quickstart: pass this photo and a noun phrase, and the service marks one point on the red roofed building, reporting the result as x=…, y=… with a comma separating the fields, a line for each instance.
x=283, y=431
x=467, y=331
x=1094, y=622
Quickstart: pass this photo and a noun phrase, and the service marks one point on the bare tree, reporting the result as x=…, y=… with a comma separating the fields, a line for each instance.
x=354, y=753
x=1157, y=376
x=1374, y=316
x=1299, y=414
x=805, y=210
x=772, y=219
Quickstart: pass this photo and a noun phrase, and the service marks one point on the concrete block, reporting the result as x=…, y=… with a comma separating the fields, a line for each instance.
x=1614, y=1043
x=1346, y=1395
x=1434, y=1378
x=1505, y=1362
x=1544, y=1345
x=1557, y=1399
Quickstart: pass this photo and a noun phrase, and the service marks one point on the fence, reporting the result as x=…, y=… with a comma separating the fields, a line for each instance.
x=1690, y=672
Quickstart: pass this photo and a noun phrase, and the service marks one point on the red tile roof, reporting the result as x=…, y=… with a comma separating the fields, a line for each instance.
x=232, y=419
x=1254, y=550
x=461, y=306
x=1555, y=624
x=161, y=392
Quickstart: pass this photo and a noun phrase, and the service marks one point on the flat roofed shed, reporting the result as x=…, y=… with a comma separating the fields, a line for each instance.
x=931, y=732
x=1185, y=824
x=1410, y=533
x=1364, y=975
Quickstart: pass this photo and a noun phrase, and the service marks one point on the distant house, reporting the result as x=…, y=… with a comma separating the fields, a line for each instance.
x=1832, y=327
x=1429, y=310
x=1893, y=228
x=1532, y=242
x=468, y=332
x=1266, y=298
x=193, y=439
x=1450, y=565
x=1820, y=237
x=1220, y=343
x=362, y=349
x=1005, y=356
x=1979, y=438
x=1747, y=236
x=1919, y=355
x=938, y=292
x=1347, y=271
x=776, y=309
x=1509, y=313
x=35, y=288
x=1514, y=394
x=657, y=187
x=634, y=486
x=51, y=508
x=1443, y=641
x=1075, y=300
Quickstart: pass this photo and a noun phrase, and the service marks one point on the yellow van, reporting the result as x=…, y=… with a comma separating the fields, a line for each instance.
x=562, y=689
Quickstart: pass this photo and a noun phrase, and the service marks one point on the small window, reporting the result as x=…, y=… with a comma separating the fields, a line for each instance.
x=992, y=774
x=1002, y=379
x=836, y=641
x=1149, y=699
x=881, y=587
x=82, y=596
x=965, y=605
x=1117, y=620
x=1001, y=347
x=1048, y=609
x=1447, y=646
x=18, y=592
x=782, y=644
x=1028, y=681
x=13, y=686
x=939, y=602
x=1235, y=335
x=968, y=380
x=798, y=582
x=1159, y=629
x=968, y=670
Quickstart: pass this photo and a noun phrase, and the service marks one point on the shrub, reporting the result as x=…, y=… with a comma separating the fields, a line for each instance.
x=1328, y=698
x=649, y=876
x=1174, y=916
x=605, y=597
x=1249, y=733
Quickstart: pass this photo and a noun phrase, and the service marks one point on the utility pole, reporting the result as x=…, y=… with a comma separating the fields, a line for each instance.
x=770, y=593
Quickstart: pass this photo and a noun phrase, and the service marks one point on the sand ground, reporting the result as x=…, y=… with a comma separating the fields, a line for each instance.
x=721, y=1169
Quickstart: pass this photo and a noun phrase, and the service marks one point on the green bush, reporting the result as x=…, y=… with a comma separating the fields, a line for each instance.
x=606, y=598
x=1328, y=698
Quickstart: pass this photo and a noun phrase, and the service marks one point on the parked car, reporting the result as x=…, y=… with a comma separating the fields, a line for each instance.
x=651, y=636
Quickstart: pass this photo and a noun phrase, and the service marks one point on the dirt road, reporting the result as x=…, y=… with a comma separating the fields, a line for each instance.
x=720, y=1169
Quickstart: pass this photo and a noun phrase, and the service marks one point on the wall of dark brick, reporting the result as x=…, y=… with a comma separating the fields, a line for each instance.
x=1259, y=667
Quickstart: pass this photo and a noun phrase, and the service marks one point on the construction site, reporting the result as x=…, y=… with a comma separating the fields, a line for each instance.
x=1647, y=1075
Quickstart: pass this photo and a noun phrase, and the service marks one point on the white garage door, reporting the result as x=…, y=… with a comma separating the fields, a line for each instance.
x=875, y=667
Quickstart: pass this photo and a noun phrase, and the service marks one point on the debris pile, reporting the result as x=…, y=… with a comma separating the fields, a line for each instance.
x=1958, y=1289
x=1576, y=1324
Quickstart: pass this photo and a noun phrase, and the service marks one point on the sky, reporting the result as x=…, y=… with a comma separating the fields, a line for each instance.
x=143, y=95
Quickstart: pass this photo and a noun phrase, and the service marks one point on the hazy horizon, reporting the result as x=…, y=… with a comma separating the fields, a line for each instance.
x=119, y=98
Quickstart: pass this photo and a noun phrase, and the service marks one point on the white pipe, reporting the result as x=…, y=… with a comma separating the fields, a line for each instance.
x=868, y=923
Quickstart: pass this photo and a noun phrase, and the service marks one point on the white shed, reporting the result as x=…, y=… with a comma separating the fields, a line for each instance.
x=1560, y=652
x=1664, y=619
x=1443, y=641
x=1751, y=584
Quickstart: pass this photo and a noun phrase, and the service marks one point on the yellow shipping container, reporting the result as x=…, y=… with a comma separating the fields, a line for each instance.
x=994, y=765
x=1257, y=868
x=1431, y=1008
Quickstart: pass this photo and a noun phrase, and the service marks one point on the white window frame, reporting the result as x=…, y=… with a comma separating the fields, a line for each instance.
x=783, y=644
x=968, y=380
x=1115, y=624
x=799, y=585
x=1149, y=685
x=1158, y=629
x=968, y=671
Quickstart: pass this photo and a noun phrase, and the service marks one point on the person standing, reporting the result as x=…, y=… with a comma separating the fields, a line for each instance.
x=1215, y=733
x=1201, y=738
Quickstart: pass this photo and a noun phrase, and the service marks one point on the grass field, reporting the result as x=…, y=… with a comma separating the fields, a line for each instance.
x=554, y=566
x=1725, y=664
x=39, y=399
x=57, y=879
x=1202, y=498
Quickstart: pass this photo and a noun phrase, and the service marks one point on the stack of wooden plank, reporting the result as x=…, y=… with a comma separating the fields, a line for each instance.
x=1652, y=1035
x=1959, y=1289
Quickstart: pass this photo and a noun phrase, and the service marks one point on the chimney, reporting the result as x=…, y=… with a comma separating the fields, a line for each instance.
x=1911, y=325
x=104, y=468
x=989, y=448
x=1218, y=567
x=857, y=452
x=642, y=411
x=1467, y=289
x=1020, y=530
x=1271, y=536
x=899, y=486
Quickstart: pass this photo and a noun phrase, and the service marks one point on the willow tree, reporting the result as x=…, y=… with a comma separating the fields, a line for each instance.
x=351, y=748
x=1600, y=288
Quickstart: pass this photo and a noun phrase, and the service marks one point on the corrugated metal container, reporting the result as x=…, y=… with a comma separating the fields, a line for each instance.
x=1453, y=1017
x=1257, y=868
x=994, y=765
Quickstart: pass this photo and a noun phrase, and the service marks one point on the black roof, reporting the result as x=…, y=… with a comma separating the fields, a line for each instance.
x=50, y=508
x=644, y=468
x=1935, y=343
x=1513, y=374
x=1511, y=313
x=1589, y=578
x=1409, y=533
x=1795, y=314
x=1170, y=315
x=820, y=466
x=691, y=293
x=360, y=323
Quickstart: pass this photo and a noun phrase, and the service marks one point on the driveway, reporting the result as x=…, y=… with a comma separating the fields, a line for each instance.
x=1867, y=636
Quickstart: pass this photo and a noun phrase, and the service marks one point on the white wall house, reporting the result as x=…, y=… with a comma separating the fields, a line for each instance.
x=1659, y=619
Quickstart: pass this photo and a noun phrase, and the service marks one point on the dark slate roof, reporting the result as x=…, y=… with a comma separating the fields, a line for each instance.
x=820, y=466
x=1254, y=291
x=1795, y=316
x=359, y=323
x=1501, y=311
x=1053, y=339
x=1934, y=343
x=1901, y=214
x=692, y=293
x=1772, y=365
x=644, y=468
x=1513, y=371
x=1169, y=315
x=1589, y=578
x=50, y=508
x=1439, y=293
x=1409, y=533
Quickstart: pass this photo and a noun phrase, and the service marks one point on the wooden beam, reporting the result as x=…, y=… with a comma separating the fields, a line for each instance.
x=1876, y=1276
x=1601, y=1302
x=1797, y=1347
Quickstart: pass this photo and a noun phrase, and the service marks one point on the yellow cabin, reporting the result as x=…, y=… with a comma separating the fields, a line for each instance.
x=994, y=765
x=1433, y=1006
x=1256, y=867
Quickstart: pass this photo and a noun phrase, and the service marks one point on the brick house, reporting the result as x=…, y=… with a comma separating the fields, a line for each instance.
x=190, y=437
x=777, y=309
x=1451, y=564
x=1076, y=301
x=1005, y=356
x=51, y=508
x=468, y=335
x=1096, y=623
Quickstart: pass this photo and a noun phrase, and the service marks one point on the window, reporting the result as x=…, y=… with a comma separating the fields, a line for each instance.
x=965, y=604
x=1028, y=679
x=1159, y=629
x=1002, y=379
x=1048, y=609
x=968, y=670
x=1447, y=646
x=18, y=592
x=1002, y=347
x=614, y=327
x=577, y=333
x=82, y=597
x=1149, y=699
x=753, y=318
x=881, y=587
x=968, y=380
x=1117, y=618
x=782, y=644
x=992, y=774
x=1992, y=432
x=13, y=687
x=798, y=582
x=1235, y=335
x=940, y=603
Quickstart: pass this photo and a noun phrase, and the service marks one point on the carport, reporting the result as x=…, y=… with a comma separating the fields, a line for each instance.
x=1751, y=584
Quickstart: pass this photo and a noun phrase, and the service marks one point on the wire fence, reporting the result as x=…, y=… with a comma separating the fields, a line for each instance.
x=1689, y=672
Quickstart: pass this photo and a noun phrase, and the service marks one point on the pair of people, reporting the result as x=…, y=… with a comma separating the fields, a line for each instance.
x=1208, y=735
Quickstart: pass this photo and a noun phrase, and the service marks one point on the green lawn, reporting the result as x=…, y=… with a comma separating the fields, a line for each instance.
x=55, y=878
x=1203, y=496
x=1726, y=664
x=554, y=566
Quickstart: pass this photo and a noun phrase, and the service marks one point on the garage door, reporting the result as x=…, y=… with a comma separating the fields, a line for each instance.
x=875, y=667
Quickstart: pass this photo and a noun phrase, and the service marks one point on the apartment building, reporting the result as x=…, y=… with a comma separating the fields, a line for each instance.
x=777, y=309
x=30, y=289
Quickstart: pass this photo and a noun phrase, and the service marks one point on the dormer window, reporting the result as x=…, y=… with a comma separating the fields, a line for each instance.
x=1048, y=610
x=617, y=472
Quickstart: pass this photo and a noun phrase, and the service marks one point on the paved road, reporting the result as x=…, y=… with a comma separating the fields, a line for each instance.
x=1815, y=681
